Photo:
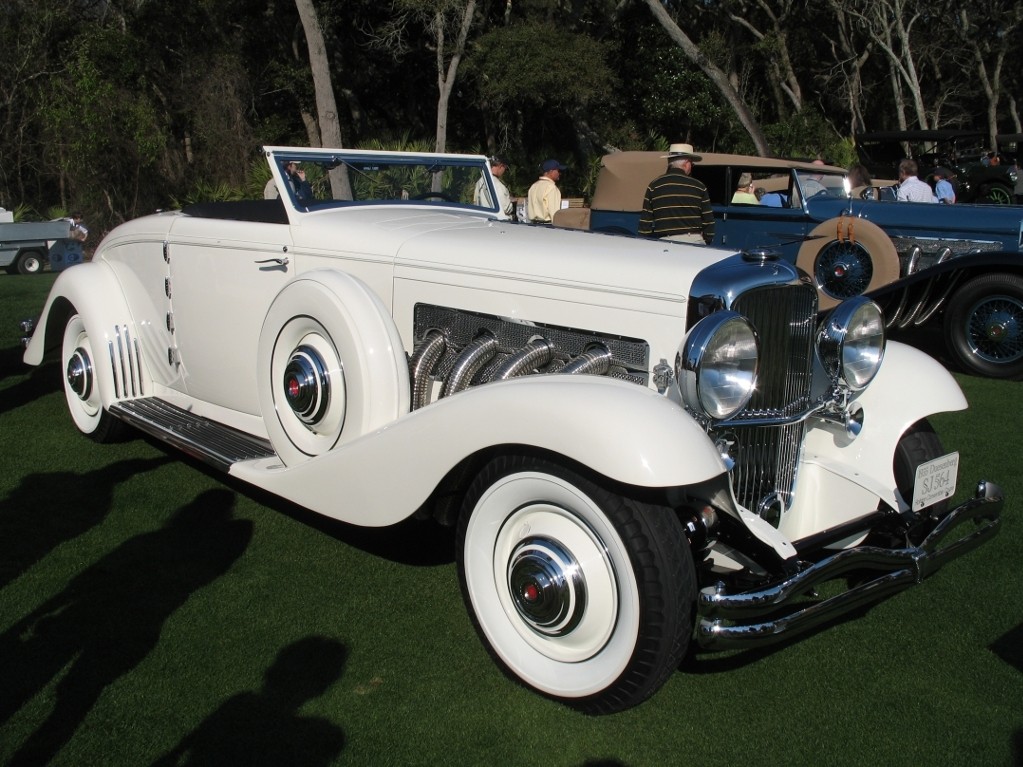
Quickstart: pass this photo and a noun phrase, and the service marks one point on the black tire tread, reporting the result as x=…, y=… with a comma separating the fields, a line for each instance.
x=955, y=320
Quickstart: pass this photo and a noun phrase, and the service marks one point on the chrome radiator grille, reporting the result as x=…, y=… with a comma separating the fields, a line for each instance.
x=766, y=456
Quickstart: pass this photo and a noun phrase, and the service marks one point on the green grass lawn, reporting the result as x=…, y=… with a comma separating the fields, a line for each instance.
x=160, y=613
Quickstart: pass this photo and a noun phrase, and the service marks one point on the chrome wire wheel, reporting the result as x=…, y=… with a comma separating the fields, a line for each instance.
x=843, y=269
x=984, y=325
x=995, y=329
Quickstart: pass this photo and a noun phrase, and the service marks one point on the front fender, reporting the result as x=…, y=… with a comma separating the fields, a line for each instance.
x=910, y=386
x=620, y=430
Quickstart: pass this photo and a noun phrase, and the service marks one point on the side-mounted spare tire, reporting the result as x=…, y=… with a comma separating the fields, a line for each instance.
x=331, y=366
x=847, y=257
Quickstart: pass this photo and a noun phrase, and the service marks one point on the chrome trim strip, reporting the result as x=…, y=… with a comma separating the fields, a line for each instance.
x=899, y=568
x=120, y=358
x=138, y=359
x=113, y=368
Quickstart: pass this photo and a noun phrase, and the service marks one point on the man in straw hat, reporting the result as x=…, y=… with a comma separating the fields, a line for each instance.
x=676, y=205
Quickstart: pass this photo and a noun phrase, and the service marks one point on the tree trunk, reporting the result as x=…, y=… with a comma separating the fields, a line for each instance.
x=326, y=106
x=446, y=75
x=717, y=77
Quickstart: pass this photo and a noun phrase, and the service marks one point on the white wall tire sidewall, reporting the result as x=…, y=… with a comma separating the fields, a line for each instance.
x=85, y=413
x=305, y=331
x=590, y=658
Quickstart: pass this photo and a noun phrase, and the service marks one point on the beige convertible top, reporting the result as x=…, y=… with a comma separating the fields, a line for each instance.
x=624, y=176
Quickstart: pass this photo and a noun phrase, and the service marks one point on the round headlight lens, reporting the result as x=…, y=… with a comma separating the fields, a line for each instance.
x=851, y=342
x=717, y=365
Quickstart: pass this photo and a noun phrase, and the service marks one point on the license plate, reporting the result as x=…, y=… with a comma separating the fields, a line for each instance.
x=935, y=481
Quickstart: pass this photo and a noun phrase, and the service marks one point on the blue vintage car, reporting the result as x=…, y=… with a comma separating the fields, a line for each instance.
x=850, y=241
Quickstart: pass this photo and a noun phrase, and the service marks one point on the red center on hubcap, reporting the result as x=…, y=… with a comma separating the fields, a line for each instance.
x=530, y=592
x=294, y=389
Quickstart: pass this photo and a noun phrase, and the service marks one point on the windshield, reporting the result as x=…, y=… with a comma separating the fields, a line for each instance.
x=317, y=180
x=816, y=184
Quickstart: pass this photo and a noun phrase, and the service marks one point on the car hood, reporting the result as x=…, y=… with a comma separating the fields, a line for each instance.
x=447, y=243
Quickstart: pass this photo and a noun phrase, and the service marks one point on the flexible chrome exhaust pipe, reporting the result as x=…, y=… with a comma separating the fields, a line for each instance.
x=473, y=357
x=596, y=360
x=532, y=356
x=421, y=366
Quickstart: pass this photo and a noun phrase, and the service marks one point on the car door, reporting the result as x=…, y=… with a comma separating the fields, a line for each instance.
x=777, y=223
x=223, y=276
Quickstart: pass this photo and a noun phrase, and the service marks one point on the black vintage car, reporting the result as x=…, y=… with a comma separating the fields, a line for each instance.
x=960, y=151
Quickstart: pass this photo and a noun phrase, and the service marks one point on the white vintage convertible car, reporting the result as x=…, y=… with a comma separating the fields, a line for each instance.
x=642, y=444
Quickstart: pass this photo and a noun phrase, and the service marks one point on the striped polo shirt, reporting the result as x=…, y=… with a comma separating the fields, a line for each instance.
x=676, y=203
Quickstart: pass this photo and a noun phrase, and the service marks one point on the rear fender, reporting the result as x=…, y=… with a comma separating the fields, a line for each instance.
x=92, y=291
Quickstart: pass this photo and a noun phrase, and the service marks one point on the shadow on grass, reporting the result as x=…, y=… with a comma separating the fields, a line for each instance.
x=109, y=617
x=264, y=727
x=420, y=543
x=11, y=363
x=40, y=381
x=1009, y=647
x=48, y=509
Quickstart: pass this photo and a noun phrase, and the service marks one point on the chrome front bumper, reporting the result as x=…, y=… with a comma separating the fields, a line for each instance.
x=751, y=618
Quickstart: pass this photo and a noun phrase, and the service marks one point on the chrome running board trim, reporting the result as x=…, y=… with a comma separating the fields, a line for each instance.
x=898, y=569
x=209, y=441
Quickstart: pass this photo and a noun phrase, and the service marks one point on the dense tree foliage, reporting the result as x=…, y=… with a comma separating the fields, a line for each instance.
x=120, y=107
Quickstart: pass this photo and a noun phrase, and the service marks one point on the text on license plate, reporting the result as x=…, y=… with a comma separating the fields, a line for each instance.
x=935, y=480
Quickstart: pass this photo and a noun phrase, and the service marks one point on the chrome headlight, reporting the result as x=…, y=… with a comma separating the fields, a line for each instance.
x=851, y=342
x=716, y=367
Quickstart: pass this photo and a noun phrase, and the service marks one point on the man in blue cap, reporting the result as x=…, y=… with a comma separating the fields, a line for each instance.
x=544, y=198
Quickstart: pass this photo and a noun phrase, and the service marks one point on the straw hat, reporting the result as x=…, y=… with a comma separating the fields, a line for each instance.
x=682, y=151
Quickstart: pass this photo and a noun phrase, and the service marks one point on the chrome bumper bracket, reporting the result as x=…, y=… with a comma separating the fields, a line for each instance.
x=743, y=620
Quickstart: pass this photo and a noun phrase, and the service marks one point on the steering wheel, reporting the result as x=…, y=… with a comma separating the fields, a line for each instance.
x=432, y=196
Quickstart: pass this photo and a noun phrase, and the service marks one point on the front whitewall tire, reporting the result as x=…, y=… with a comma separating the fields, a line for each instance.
x=579, y=592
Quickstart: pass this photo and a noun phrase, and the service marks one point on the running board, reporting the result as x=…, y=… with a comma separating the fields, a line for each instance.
x=209, y=441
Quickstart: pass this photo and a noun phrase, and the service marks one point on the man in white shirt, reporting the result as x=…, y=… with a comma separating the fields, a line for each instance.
x=498, y=165
x=912, y=189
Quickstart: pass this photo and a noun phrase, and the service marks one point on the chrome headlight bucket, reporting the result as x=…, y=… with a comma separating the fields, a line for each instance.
x=716, y=366
x=851, y=341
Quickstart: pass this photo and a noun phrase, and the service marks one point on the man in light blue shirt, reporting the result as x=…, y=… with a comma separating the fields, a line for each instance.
x=943, y=189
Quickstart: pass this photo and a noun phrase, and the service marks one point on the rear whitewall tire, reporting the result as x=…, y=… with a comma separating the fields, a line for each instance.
x=81, y=385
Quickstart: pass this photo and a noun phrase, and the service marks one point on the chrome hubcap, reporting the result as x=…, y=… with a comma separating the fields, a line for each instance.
x=79, y=373
x=307, y=385
x=547, y=586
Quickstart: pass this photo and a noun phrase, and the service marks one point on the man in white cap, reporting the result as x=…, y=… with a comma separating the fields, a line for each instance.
x=544, y=197
x=676, y=206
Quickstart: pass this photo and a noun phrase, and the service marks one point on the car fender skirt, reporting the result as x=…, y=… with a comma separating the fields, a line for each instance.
x=625, y=432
